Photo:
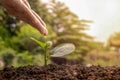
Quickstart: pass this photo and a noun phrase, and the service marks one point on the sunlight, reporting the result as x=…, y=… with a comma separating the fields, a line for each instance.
x=111, y=7
x=104, y=13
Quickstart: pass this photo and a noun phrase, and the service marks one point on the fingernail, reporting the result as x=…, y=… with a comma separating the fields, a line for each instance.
x=44, y=31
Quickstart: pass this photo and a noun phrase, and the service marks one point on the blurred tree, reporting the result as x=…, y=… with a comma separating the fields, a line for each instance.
x=7, y=55
x=114, y=41
x=25, y=58
x=68, y=27
x=9, y=23
x=9, y=26
x=102, y=58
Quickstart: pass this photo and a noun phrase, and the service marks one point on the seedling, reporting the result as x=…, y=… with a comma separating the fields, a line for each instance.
x=58, y=51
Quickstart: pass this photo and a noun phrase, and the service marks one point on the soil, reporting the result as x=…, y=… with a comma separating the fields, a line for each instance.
x=60, y=72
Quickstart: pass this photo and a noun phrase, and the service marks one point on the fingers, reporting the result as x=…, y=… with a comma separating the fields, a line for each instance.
x=42, y=29
x=39, y=18
x=42, y=22
x=27, y=4
x=21, y=9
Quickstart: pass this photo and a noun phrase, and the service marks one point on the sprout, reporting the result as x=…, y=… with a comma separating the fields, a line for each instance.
x=58, y=51
x=49, y=43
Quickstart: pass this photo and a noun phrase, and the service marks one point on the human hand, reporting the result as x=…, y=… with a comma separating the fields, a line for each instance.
x=22, y=10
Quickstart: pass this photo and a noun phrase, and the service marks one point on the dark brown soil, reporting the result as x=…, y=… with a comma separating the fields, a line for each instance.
x=60, y=72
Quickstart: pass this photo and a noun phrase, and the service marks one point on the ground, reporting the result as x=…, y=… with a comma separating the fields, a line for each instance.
x=60, y=72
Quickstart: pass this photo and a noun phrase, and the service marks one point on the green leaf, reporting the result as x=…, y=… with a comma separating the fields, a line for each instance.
x=41, y=44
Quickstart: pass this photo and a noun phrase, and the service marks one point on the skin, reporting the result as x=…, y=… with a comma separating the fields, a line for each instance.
x=22, y=10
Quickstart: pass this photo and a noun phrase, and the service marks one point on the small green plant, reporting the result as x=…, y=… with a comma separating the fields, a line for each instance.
x=59, y=51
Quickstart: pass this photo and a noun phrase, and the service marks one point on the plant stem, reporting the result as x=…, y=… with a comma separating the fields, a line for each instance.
x=45, y=57
x=45, y=54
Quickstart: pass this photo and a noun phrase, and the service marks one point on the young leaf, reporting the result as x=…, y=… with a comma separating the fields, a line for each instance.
x=41, y=44
x=63, y=49
x=48, y=44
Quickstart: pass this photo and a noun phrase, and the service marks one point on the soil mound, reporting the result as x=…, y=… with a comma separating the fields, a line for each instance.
x=60, y=72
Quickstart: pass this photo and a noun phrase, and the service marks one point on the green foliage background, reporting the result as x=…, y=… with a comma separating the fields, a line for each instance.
x=17, y=49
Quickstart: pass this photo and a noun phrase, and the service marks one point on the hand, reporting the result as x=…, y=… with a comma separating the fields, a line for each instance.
x=22, y=10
